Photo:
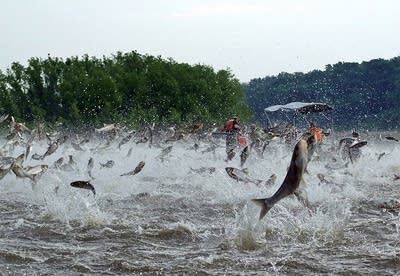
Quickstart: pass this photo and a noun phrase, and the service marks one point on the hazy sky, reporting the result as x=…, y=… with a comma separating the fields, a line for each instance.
x=252, y=38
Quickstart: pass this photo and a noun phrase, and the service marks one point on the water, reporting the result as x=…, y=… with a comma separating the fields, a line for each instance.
x=168, y=219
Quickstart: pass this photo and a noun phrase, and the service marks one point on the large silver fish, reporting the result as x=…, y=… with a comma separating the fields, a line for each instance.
x=90, y=167
x=138, y=168
x=106, y=128
x=51, y=149
x=294, y=176
x=241, y=175
x=83, y=185
x=243, y=156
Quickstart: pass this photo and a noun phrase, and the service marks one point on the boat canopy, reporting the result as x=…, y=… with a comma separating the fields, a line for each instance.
x=303, y=108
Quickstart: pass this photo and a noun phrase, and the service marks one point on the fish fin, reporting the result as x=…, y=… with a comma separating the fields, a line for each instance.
x=265, y=204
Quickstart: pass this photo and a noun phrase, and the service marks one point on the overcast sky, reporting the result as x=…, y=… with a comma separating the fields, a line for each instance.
x=253, y=38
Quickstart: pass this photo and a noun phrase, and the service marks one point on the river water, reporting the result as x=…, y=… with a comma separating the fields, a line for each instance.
x=170, y=219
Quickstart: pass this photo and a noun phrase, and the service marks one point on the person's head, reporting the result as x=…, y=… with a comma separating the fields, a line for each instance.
x=312, y=125
x=355, y=134
x=252, y=126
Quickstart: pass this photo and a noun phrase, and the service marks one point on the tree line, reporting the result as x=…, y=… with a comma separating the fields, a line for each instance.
x=128, y=88
x=364, y=95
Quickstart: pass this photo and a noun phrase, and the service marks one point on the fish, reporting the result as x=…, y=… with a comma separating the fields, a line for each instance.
x=6, y=160
x=28, y=150
x=358, y=144
x=241, y=175
x=4, y=172
x=381, y=155
x=106, y=128
x=210, y=170
x=266, y=143
x=165, y=152
x=36, y=156
x=36, y=170
x=51, y=149
x=90, y=166
x=290, y=185
x=76, y=146
x=271, y=180
x=83, y=185
x=142, y=140
x=29, y=172
x=129, y=152
x=211, y=148
x=20, y=159
x=3, y=117
x=138, y=168
x=19, y=171
x=108, y=164
x=57, y=164
x=311, y=146
x=151, y=135
x=70, y=165
x=125, y=140
x=392, y=138
x=230, y=154
x=243, y=156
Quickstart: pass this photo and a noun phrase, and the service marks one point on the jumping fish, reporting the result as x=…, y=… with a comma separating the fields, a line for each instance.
x=77, y=146
x=392, y=138
x=90, y=167
x=125, y=139
x=210, y=170
x=51, y=149
x=106, y=128
x=241, y=175
x=230, y=154
x=70, y=165
x=108, y=164
x=138, y=168
x=243, y=156
x=165, y=152
x=57, y=164
x=4, y=172
x=292, y=180
x=83, y=185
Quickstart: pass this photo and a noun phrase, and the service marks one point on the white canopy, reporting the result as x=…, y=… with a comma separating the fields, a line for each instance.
x=300, y=107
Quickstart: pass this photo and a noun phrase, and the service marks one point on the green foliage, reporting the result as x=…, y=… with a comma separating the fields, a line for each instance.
x=129, y=88
x=365, y=95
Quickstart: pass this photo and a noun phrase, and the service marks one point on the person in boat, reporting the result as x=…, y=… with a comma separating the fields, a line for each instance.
x=232, y=128
x=317, y=132
x=347, y=151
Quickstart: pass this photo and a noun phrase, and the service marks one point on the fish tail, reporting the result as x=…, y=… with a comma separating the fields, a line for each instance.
x=265, y=204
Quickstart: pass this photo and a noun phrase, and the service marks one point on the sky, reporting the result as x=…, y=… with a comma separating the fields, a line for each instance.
x=252, y=38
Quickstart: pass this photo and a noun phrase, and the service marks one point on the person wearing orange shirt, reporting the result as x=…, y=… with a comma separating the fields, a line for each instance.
x=232, y=128
x=317, y=132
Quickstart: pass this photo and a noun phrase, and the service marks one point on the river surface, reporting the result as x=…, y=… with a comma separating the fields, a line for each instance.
x=170, y=219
